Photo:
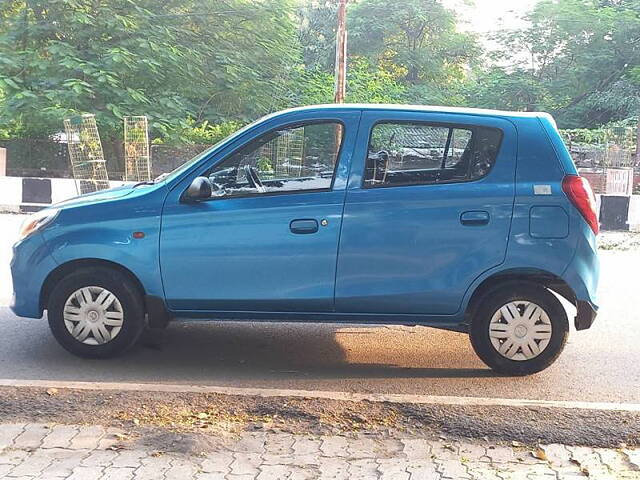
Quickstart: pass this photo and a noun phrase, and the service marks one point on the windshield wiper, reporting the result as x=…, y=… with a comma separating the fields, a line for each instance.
x=160, y=177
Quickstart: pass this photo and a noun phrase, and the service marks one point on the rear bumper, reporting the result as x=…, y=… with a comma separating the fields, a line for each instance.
x=585, y=315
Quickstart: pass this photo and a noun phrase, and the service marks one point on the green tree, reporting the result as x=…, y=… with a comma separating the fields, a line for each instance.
x=416, y=39
x=575, y=58
x=170, y=60
x=366, y=83
x=317, y=33
x=515, y=90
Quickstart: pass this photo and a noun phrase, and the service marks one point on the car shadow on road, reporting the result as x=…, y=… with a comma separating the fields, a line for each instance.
x=287, y=355
x=321, y=351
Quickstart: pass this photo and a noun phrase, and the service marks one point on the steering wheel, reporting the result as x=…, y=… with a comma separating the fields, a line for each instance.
x=253, y=178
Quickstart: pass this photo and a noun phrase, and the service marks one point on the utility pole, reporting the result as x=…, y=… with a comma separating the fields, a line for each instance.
x=341, y=53
x=637, y=162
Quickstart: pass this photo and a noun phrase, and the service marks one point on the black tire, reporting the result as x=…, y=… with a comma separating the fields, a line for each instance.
x=502, y=295
x=126, y=292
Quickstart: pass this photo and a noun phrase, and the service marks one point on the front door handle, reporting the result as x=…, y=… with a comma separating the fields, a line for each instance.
x=303, y=225
x=474, y=218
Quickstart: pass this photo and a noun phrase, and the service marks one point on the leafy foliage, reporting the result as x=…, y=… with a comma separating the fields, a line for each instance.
x=416, y=38
x=576, y=58
x=204, y=133
x=120, y=57
x=198, y=68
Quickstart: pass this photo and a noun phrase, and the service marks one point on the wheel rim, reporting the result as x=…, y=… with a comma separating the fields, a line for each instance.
x=93, y=315
x=520, y=330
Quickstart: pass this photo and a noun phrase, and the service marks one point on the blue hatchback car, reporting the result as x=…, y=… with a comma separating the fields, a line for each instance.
x=468, y=220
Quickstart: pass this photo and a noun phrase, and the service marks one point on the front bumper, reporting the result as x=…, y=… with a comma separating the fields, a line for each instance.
x=585, y=315
x=30, y=265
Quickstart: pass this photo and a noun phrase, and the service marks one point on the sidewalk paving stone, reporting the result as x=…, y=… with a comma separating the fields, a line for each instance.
x=64, y=461
x=86, y=473
x=37, y=452
x=113, y=473
x=33, y=465
x=9, y=432
x=245, y=464
x=152, y=468
x=88, y=437
x=60, y=436
x=32, y=436
x=217, y=462
x=334, y=446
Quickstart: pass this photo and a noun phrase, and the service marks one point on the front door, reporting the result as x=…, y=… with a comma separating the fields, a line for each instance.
x=267, y=239
x=428, y=210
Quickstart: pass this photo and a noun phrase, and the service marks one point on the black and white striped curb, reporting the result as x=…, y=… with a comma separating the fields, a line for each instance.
x=27, y=194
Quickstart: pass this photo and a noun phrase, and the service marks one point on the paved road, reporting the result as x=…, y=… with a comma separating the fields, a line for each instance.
x=600, y=364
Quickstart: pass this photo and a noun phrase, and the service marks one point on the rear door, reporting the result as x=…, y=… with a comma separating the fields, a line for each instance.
x=428, y=209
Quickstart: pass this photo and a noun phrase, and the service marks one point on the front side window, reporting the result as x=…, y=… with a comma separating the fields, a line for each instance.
x=296, y=158
x=421, y=154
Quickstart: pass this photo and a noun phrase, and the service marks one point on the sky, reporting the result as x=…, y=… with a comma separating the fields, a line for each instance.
x=485, y=16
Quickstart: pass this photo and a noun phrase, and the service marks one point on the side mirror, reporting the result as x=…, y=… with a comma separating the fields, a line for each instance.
x=200, y=189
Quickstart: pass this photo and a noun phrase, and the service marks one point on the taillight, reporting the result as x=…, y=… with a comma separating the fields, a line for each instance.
x=579, y=191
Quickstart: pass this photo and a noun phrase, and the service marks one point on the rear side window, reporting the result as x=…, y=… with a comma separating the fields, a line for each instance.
x=422, y=154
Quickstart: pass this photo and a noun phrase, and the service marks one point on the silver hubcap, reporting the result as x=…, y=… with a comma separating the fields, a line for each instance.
x=93, y=315
x=520, y=330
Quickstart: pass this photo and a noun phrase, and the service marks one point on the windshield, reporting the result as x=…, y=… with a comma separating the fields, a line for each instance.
x=178, y=170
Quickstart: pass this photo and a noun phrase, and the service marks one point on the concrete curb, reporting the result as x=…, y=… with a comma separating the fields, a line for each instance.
x=327, y=395
x=20, y=194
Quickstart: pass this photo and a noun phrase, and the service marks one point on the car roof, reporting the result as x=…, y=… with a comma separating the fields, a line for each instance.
x=416, y=108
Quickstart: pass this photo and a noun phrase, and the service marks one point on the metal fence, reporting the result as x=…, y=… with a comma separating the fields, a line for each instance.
x=607, y=159
x=85, y=151
x=137, y=158
x=29, y=157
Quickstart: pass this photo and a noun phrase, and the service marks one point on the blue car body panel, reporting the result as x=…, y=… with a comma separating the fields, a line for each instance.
x=404, y=249
x=30, y=265
x=239, y=253
x=391, y=255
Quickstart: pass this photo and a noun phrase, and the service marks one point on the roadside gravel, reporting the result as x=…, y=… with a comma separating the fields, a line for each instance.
x=213, y=414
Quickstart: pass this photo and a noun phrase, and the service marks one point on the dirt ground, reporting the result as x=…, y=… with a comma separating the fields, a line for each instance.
x=181, y=421
x=623, y=241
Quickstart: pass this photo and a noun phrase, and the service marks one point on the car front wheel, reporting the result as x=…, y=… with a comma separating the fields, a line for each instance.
x=96, y=312
x=519, y=328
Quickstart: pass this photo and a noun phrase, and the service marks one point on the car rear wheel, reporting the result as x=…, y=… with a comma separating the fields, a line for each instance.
x=96, y=312
x=519, y=328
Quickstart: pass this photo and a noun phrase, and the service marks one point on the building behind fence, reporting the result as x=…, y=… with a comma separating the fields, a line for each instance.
x=607, y=159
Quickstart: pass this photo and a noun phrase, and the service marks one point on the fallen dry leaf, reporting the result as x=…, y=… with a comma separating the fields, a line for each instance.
x=540, y=454
x=52, y=391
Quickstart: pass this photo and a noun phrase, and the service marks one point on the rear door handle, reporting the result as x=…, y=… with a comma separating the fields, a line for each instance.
x=303, y=225
x=474, y=218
